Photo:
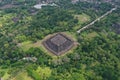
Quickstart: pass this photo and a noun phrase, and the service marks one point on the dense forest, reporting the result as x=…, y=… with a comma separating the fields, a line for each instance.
x=22, y=29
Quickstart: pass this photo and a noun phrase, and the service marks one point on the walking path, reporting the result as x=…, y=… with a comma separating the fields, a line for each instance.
x=93, y=22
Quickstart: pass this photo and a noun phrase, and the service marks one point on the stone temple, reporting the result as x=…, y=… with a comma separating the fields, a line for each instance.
x=58, y=44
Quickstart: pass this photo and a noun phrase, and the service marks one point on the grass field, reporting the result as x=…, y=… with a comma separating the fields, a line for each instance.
x=6, y=75
x=90, y=35
x=28, y=44
x=82, y=18
x=72, y=35
x=22, y=76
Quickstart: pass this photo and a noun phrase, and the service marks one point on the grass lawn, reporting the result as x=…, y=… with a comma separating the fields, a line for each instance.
x=28, y=44
x=82, y=18
x=90, y=35
x=6, y=75
x=1, y=25
x=72, y=35
x=22, y=76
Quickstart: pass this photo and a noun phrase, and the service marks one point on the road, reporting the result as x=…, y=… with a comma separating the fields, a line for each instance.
x=93, y=22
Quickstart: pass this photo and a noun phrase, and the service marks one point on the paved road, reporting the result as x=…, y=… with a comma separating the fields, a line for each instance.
x=93, y=22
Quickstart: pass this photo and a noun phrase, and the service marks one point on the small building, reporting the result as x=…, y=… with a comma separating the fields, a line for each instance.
x=58, y=44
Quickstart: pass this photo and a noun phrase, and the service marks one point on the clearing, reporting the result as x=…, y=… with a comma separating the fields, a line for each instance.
x=82, y=19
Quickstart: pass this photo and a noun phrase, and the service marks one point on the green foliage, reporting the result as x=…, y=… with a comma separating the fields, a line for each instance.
x=2, y=73
x=97, y=57
x=44, y=72
x=33, y=74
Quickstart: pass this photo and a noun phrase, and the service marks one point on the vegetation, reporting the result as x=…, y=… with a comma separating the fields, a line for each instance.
x=97, y=57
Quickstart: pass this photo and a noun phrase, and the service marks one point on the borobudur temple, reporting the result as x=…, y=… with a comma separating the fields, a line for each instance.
x=58, y=44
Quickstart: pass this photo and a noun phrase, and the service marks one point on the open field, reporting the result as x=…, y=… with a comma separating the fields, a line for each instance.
x=6, y=75
x=22, y=76
x=90, y=35
x=29, y=44
x=82, y=18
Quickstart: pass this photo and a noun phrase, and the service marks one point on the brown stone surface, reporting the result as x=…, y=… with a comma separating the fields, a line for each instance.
x=58, y=40
x=58, y=44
